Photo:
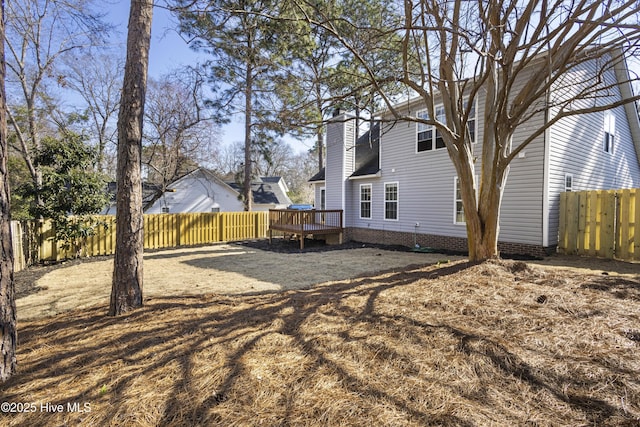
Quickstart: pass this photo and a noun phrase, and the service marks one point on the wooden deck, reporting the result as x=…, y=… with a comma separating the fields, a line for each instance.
x=302, y=223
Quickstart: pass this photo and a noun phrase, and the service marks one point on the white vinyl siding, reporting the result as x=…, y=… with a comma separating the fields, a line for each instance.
x=577, y=148
x=427, y=181
x=339, y=161
x=574, y=144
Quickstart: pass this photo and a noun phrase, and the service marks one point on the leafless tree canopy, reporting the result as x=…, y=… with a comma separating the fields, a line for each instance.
x=180, y=131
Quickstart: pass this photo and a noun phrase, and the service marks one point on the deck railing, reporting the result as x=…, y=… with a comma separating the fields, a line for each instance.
x=305, y=220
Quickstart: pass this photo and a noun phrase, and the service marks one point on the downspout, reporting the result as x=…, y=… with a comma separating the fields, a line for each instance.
x=343, y=169
x=545, y=179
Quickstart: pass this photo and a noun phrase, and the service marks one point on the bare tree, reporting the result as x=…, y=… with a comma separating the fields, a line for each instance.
x=180, y=132
x=126, y=291
x=97, y=78
x=38, y=34
x=514, y=54
x=8, y=334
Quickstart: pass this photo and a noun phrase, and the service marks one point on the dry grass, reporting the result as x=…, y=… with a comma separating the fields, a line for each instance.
x=221, y=268
x=500, y=343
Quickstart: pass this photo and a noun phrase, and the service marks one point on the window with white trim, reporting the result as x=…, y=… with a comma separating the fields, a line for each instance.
x=458, y=206
x=323, y=198
x=391, y=200
x=365, y=200
x=609, y=132
x=429, y=138
x=458, y=213
x=568, y=182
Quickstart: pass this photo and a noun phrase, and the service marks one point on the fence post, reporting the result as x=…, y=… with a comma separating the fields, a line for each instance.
x=609, y=224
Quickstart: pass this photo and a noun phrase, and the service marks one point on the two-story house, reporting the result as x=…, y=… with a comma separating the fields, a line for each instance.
x=397, y=185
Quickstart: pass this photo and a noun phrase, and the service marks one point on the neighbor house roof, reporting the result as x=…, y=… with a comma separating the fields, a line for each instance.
x=150, y=192
x=266, y=191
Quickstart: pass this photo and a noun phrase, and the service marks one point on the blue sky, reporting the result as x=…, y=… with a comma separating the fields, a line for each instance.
x=168, y=52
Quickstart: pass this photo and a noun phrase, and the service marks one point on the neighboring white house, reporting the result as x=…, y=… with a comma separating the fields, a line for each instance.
x=203, y=191
x=399, y=186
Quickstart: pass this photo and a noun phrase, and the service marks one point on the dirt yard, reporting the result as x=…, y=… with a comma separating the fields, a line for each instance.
x=222, y=269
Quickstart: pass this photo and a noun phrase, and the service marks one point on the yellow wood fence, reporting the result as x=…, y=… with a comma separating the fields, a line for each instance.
x=604, y=223
x=162, y=231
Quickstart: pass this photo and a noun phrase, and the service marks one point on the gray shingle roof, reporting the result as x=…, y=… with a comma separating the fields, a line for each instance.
x=367, y=155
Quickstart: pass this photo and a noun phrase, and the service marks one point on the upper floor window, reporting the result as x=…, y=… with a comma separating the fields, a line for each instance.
x=365, y=201
x=391, y=200
x=429, y=138
x=609, y=132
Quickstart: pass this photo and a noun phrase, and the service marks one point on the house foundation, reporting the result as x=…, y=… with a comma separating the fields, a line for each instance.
x=444, y=243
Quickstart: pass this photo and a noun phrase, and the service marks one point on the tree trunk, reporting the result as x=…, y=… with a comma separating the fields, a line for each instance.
x=320, y=131
x=320, y=143
x=483, y=228
x=8, y=333
x=248, y=113
x=483, y=218
x=482, y=209
x=126, y=291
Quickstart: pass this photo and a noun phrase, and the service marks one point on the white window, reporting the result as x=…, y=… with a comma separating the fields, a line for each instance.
x=365, y=201
x=323, y=198
x=458, y=213
x=428, y=138
x=391, y=200
x=609, y=132
x=458, y=207
x=471, y=123
x=568, y=182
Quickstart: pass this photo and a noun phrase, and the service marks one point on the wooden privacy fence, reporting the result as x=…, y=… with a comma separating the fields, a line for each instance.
x=160, y=231
x=604, y=223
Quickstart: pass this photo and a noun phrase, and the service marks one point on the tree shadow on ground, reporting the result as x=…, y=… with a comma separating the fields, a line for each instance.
x=618, y=287
x=196, y=357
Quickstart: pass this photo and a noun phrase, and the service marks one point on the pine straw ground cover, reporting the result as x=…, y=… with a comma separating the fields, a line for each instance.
x=500, y=343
